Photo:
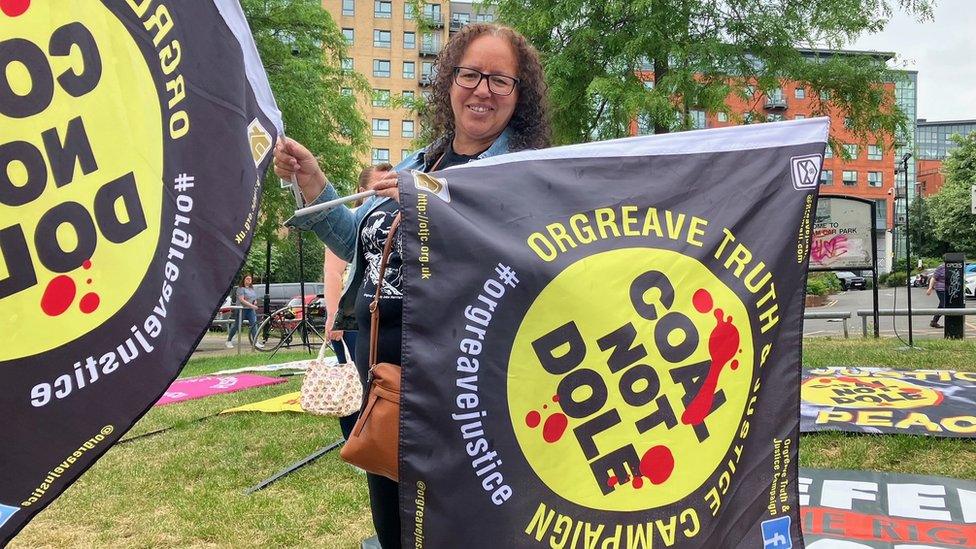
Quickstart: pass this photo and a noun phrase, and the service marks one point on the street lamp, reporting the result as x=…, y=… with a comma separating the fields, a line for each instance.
x=908, y=248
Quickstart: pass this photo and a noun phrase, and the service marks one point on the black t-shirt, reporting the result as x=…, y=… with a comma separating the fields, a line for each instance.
x=372, y=237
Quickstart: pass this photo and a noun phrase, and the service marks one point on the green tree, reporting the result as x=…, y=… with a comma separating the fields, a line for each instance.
x=952, y=217
x=302, y=49
x=925, y=243
x=700, y=52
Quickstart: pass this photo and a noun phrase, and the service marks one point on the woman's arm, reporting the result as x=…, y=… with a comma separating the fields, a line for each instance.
x=334, y=266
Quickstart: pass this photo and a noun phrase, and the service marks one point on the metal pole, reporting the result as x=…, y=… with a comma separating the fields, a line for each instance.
x=908, y=250
x=874, y=265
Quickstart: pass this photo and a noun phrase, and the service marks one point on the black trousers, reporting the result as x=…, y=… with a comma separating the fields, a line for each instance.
x=384, y=504
x=941, y=294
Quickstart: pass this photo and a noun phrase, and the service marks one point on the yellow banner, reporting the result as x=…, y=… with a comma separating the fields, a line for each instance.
x=285, y=403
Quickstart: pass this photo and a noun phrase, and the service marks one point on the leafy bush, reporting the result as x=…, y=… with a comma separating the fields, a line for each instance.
x=823, y=284
x=895, y=279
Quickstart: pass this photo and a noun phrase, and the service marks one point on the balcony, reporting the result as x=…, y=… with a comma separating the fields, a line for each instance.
x=426, y=80
x=434, y=20
x=776, y=103
x=429, y=50
x=457, y=25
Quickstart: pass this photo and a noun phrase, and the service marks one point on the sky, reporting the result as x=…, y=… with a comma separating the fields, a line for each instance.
x=943, y=51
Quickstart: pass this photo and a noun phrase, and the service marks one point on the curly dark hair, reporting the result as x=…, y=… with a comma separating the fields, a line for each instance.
x=530, y=121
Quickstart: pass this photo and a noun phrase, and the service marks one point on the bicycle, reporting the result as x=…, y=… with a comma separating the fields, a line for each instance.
x=284, y=328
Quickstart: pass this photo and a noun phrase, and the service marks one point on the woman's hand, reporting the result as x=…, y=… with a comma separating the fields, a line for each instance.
x=334, y=335
x=385, y=184
x=292, y=159
x=928, y=291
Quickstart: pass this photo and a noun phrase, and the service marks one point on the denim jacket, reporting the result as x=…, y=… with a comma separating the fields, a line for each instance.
x=339, y=228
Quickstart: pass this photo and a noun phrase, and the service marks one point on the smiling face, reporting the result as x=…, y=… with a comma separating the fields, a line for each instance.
x=479, y=115
x=247, y=280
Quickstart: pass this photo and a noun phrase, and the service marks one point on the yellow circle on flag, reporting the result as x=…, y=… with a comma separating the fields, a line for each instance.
x=101, y=147
x=615, y=398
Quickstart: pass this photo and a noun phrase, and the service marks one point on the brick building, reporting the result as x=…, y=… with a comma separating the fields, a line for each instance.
x=866, y=170
x=933, y=147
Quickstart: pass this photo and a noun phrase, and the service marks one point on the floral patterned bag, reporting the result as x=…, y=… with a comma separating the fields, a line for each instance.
x=331, y=389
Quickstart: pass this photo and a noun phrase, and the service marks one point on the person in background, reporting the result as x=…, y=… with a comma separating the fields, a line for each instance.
x=341, y=334
x=488, y=98
x=937, y=283
x=247, y=298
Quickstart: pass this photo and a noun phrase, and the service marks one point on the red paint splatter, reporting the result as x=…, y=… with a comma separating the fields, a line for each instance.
x=13, y=8
x=826, y=380
x=702, y=300
x=88, y=281
x=657, y=464
x=912, y=391
x=87, y=264
x=862, y=383
x=734, y=365
x=532, y=419
x=637, y=482
x=58, y=295
x=722, y=344
x=89, y=302
x=555, y=427
x=612, y=481
x=545, y=407
x=555, y=398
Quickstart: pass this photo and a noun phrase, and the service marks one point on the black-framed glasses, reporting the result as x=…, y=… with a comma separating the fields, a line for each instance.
x=498, y=84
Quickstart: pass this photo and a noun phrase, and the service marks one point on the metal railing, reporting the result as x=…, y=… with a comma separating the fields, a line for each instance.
x=865, y=313
x=830, y=315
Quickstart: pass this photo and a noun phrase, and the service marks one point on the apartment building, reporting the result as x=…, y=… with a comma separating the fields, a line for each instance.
x=388, y=46
x=934, y=144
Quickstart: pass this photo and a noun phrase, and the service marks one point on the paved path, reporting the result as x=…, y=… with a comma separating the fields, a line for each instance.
x=888, y=298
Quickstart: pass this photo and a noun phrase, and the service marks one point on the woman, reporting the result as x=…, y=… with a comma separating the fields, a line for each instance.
x=247, y=298
x=488, y=99
x=341, y=335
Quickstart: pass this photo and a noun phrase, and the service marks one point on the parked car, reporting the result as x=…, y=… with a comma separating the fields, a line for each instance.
x=921, y=280
x=969, y=289
x=851, y=281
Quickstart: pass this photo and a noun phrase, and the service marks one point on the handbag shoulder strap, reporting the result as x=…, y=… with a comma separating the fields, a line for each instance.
x=374, y=307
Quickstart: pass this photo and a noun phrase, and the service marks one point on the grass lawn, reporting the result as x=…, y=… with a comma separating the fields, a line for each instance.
x=185, y=487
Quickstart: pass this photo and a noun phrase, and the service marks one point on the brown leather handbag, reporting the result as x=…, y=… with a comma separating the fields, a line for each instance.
x=374, y=444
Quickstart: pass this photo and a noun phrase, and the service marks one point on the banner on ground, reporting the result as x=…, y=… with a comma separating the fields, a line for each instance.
x=881, y=400
x=601, y=342
x=871, y=510
x=192, y=388
x=289, y=402
x=134, y=139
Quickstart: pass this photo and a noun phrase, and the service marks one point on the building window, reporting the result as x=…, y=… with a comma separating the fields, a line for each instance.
x=381, y=128
x=349, y=35
x=408, y=11
x=408, y=95
x=648, y=84
x=484, y=18
x=775, y=117
x=432, y=12
x=383, y=9
x=408, y=128
x=850, y=178
x=404, y=154
x=348, y=7
x=825, y=95
x=427, y=68
x=874, y=179
x=409, y=40
x=800, y=93
x=875, y=152
x=409, y=70
x=826, y=177
x=347, y=64
x=644, y=126
x=381, y=98
x=850, y=149
x=748, y=117
x=381, y=156
x=829, y=152
x=346, y=91
x=381, y=67
x=750, y=91
x=382, y=38
x=722, y=117
x=461, y=18
x=697, y=118
x=848, y=122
